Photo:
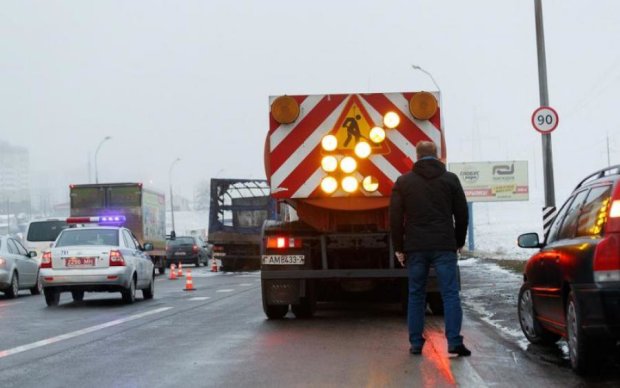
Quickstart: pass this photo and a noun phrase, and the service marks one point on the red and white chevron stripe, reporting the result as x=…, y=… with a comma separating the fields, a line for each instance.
x=293, y=151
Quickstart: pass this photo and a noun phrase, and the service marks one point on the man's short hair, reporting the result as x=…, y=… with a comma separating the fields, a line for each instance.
x=425, y=148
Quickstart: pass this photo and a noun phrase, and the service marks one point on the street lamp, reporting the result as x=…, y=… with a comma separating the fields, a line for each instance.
x=170, y=184
x=96, y=153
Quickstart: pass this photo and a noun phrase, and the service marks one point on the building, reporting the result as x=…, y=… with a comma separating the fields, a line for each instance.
x=14, y=179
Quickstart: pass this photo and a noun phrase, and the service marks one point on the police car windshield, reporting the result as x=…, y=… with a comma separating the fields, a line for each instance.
x=45, y=230
x=74, y=237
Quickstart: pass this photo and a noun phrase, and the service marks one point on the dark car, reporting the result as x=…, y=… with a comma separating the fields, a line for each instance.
x=187, y=250
x=571, y=287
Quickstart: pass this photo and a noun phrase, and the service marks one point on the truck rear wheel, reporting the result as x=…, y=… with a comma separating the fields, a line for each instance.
x=307, y=304
x=275, y=311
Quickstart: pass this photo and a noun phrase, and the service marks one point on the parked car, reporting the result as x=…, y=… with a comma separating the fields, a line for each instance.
x=571, y=287
x=97, y=259
x=188, y=250
x=40, y=234
x=18, y=268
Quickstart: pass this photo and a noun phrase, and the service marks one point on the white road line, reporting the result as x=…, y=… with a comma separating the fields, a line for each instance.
x=245, y=284
x=73, y=334
x=226, y=290
x=200, y=298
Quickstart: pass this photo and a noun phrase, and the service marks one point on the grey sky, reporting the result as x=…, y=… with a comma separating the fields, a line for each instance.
x=192, y=79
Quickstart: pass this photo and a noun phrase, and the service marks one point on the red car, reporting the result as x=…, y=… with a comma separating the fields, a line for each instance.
x=571, y=287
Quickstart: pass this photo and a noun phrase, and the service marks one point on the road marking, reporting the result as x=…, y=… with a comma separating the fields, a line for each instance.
x=245, y=284
x=200, y=298
x=73, y=334
x=226, y=290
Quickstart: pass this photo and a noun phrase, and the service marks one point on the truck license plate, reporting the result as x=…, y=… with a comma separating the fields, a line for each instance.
x=283, y=259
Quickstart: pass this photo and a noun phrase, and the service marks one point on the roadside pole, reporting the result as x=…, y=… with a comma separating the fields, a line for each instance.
x=470, y=227
x=549, y=209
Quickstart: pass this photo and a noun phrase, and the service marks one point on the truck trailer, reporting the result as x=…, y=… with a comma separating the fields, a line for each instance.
x=144, y=211
x=333, y=159
x=238, y=209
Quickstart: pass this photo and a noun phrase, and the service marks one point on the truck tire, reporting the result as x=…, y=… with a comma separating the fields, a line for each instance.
x=307, y=304
x=435, y=302
x=52, y=297
x=275, y=311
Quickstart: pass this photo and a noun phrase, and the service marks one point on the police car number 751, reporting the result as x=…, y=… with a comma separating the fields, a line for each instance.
x=283, y=259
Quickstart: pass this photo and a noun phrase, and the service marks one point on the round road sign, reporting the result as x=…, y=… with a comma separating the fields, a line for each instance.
x=545, y=119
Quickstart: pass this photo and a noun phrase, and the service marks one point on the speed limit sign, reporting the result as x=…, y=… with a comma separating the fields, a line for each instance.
x=545, y=119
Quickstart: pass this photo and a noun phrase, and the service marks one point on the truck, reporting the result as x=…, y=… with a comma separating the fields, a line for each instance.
x=144, y=211
x=238, y=209
x=333, y=159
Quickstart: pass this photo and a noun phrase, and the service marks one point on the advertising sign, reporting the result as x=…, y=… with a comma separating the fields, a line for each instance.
x=493, y=181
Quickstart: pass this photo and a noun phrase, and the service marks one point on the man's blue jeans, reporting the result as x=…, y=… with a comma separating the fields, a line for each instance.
x=418, y=265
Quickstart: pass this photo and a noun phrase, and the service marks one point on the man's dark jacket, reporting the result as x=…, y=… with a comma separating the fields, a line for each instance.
x=428, y=209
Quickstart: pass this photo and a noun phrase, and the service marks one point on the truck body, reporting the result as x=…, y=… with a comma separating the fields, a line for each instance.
x=238, y=209
x=144, y=211
x=334, y=160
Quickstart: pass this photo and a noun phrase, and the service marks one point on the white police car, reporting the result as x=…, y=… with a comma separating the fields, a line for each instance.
x=102, y=258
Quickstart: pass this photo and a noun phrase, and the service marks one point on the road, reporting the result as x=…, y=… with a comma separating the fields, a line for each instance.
x=217, y=336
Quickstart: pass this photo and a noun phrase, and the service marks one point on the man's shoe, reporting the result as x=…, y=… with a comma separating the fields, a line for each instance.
x=415, y=350
x=460, y=350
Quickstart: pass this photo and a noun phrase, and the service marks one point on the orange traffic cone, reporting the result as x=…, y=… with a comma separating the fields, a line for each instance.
x=189, y=284
x=180, y=272
x=214, y=265
x=173, y=275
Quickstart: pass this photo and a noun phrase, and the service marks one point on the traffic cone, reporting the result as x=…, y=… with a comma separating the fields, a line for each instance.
x=214, y=265
x=173, y=275
x=189, y=284
x=180, y=272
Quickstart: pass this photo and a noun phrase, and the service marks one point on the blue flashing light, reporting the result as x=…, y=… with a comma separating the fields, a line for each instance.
x=111, y=220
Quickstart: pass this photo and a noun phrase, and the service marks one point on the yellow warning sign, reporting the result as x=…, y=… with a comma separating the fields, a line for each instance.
x=353, y=126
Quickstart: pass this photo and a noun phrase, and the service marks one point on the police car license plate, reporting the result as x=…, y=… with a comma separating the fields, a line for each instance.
x=80, y=262
x=283, y=259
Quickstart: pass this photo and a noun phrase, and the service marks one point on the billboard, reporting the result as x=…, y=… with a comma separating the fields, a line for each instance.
x=493, y=181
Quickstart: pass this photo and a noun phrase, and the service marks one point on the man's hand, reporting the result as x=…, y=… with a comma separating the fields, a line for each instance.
x=401, y=258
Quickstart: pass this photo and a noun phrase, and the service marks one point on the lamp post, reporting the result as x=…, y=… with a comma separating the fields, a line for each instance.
x=97, y=153
x=170, y=184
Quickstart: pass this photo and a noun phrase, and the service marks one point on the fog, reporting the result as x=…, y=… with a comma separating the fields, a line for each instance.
x=191, y=79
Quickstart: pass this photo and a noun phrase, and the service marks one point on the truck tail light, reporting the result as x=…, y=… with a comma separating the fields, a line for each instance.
x=116, y=258
x=606, y=264
x=195, y=248
x=283, y=242
x=46, y=260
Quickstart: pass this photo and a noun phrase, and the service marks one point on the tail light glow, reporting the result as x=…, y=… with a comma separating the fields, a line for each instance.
x=283, y=242
x=46, y=260
x=195, y=248
x=116, y=258
x=606, y=264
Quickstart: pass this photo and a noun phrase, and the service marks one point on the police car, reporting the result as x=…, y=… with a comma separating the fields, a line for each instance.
x=105, y=257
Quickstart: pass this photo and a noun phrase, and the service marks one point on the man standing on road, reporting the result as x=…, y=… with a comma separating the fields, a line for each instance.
x=428, y=219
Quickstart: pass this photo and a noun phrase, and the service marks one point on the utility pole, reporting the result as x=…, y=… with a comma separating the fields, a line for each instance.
x=544, y=101
x=549, y=210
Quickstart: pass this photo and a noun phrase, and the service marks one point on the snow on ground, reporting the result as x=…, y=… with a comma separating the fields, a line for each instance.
x=497, y=226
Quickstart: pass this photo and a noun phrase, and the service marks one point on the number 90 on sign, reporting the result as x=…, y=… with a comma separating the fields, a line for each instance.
x=545, y=119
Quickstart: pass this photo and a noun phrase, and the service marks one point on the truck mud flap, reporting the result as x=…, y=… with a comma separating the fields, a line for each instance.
x=281, y=292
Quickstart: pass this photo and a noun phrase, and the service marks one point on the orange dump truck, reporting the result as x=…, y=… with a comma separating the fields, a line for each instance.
x=331, y=162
